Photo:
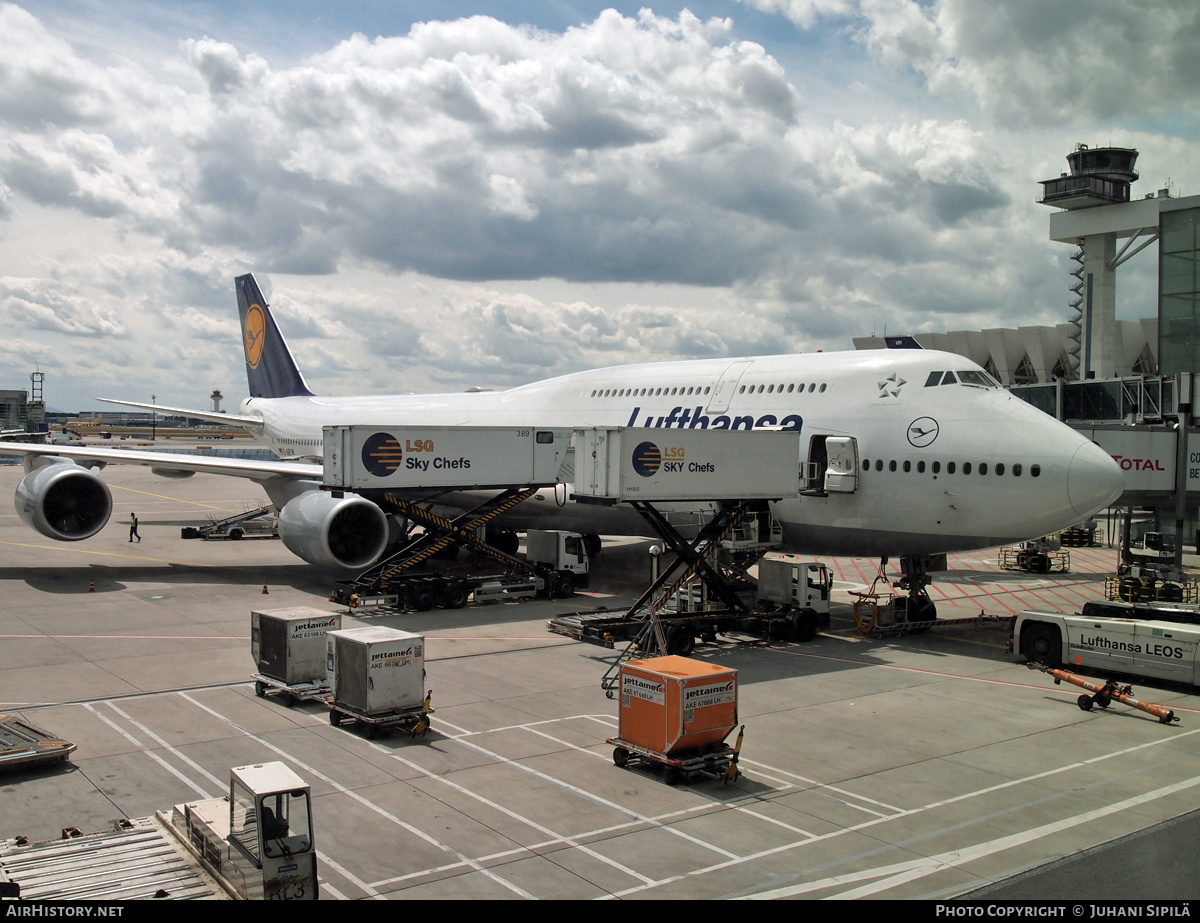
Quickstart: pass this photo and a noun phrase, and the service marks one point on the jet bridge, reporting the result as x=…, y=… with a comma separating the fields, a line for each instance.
x=741, y=470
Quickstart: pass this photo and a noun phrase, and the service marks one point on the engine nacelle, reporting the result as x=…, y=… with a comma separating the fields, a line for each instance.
x=340, y=532
x=62, y=500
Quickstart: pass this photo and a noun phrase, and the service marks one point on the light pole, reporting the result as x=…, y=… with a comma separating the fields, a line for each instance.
x=153, y=420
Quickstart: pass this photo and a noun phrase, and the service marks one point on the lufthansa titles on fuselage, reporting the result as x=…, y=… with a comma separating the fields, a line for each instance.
x=696, y=418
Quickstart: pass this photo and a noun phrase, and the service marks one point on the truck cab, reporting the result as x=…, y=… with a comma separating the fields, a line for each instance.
x=1138, y=640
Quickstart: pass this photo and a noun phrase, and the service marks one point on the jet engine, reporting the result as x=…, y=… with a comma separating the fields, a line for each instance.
x=338, y=532
x=62, y=500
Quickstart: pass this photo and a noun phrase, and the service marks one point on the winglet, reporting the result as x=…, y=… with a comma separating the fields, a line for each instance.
x=270, y=368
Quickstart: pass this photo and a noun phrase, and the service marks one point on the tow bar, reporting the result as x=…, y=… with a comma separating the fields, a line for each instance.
x=1102, y=695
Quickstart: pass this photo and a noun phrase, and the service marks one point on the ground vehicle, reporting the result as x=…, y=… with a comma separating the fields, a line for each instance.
x=561, y=552
x=798, y=590
x=1138, y=640
x=254, y=844
x=555, y=566
x=1153, y=546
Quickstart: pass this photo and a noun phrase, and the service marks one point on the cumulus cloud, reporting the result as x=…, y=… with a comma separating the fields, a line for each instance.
x=1027, y=61
x=32, y=305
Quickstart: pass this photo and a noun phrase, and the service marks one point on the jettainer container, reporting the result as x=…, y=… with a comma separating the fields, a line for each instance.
x=674, y=704
x=289, y=644
x=375, y=671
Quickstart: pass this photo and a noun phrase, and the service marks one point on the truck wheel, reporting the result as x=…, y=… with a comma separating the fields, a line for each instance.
x=1041, y=643
x=680, y=640
x=423, y=600
x=235, y=535
x=620, y=757
x=566, y=585
x=804, y=625
x=456, y=597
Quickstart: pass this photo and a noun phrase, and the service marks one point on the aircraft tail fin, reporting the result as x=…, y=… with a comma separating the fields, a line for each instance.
x=270, y=368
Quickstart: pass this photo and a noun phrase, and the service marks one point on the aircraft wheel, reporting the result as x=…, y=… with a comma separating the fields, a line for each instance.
x=1042, y=644
x=592, y=544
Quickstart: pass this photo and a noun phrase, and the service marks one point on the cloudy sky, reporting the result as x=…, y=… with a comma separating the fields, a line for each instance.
x=436, y=196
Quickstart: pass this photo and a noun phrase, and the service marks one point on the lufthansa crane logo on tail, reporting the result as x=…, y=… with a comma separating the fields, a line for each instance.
x=254, y=334
x=647, y=459
x=381, y=454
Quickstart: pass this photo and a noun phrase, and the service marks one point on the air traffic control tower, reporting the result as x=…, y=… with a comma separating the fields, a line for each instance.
x=1099, y=212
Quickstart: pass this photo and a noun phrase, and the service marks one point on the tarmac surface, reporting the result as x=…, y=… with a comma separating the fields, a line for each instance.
x=917, y=767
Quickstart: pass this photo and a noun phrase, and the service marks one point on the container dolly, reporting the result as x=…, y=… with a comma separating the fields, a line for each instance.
x=413, y=721
x=717, y=760
x=289, y=694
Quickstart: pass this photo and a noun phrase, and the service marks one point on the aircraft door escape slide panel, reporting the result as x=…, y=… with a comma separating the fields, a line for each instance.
x=723, y=392
x=841, y=472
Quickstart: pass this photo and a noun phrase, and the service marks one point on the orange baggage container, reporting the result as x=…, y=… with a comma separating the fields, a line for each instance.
x=672, y=704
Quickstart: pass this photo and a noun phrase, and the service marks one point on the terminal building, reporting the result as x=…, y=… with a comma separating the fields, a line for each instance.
x=1130, y=384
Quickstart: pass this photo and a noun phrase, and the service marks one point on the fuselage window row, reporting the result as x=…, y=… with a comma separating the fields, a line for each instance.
x=951, y=467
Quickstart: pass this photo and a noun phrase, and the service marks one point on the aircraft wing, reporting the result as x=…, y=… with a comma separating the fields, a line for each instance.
x=227, y=419
x=205, y=464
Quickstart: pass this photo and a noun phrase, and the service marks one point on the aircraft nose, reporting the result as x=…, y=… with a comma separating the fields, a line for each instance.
x=1094, y=480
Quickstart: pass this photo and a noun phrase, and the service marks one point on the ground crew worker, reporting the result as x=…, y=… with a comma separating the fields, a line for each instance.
x=133, y=532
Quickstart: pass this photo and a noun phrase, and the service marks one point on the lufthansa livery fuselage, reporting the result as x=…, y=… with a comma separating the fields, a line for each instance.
x=946, y=460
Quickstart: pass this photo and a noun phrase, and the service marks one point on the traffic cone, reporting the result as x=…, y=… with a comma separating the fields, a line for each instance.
x=92, y=586
x=264, y=592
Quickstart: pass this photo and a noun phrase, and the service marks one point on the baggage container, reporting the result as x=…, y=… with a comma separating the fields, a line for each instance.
x=375, y=670
x=674, y=704
x=289, y=644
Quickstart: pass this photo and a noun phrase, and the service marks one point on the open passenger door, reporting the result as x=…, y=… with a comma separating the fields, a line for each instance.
x=832, y=465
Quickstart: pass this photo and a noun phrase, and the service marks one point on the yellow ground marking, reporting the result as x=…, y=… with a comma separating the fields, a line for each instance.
x=148, y=493
x=108, y=554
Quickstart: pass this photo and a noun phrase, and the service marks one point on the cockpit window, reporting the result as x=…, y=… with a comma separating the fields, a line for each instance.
x=970, y=377
x=980, y=379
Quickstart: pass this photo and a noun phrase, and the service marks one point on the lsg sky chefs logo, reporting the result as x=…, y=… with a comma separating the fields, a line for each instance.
x=647, y=459
x=381, y=454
